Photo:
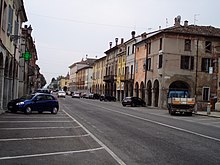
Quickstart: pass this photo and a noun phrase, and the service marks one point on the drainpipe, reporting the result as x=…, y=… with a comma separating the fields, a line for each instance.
x=196, y=76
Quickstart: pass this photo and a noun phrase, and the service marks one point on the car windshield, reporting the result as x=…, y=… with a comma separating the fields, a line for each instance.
x=27, y=97
x=179, y=94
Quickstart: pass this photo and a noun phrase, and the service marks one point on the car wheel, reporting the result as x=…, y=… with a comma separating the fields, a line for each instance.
x=133, y=104
x=54, y=110
x=28, y=110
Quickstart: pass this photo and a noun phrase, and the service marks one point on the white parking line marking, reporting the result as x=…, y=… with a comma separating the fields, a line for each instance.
x=34, y=117
x=50, y=154
x=36, y=121
x=98, y=141
x=159, y=123
x=39, y=128
x=43, y=138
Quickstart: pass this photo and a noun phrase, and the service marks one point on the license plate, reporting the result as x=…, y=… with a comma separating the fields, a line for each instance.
x=10, y=107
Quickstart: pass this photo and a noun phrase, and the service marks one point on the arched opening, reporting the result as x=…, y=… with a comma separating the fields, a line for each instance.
x=11, y=69
x=137, y=89
x=156, y=93
x=131, y=90
x=142, y=90
x=65, y=88
x=149, y=93
x=180, y=85
x=126, y=90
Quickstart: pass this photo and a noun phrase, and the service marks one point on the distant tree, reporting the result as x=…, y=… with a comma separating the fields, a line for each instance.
x=53, y=79
x=55, y=86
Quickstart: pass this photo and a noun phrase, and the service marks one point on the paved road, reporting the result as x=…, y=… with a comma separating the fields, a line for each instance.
x=93, y=132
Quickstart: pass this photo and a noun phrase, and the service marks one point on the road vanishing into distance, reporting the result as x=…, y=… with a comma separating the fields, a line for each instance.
x=93, y=132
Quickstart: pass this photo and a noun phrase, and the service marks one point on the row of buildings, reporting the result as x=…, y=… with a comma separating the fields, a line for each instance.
x=181, y=57
x=19, y=73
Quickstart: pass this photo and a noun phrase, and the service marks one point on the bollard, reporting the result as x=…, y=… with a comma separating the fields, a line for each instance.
x=208, y=109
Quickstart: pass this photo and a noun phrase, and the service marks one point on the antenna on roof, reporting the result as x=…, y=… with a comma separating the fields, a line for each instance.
x=195, y=18
x=166, y=22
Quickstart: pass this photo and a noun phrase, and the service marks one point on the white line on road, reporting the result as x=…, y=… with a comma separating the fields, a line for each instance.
x=40, y=128
x=159, y=123
x=33, y=117
x=35, y=121
x=43, y=138
x=98, y=141
x=50, y=154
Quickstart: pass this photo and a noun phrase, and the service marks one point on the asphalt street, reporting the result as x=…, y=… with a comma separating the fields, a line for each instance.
x=87, y=131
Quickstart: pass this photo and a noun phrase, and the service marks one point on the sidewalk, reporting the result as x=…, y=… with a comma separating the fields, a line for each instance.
x=212, y=113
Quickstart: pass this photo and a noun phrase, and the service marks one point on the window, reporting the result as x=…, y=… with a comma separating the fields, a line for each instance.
x=136, y=68
x=16, y=30
x=208, y=46
x=187, y=45
x=10, y=20
x=4, y=17
x=187, y=62
x=131, y=69
x=128, y=49
x=206, y=93
x=149, y=48
x=133, y=48
x=206, y=63
x=148, y=67
x=0, y=12
x=160, y=62
x=161, y=43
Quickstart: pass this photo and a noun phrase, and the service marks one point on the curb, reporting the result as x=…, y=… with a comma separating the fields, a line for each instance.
x=207, y=115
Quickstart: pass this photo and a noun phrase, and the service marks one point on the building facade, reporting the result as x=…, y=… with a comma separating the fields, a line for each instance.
x=130, y=63
x=183, y=57
x=98, y=75
x=12, y=16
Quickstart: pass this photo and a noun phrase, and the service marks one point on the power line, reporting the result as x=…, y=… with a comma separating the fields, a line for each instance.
x=85, y=22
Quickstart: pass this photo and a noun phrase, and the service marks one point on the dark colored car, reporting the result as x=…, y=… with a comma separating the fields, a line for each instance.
x=36, y=102
x=133, y=101
x=107, y=98
x=43, y=91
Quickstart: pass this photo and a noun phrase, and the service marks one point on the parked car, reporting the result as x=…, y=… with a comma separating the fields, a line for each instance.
x=76, y=95
x=42, y=91
x=107, y=98
x=61, y=94
x=133, y=101
x=35, y=102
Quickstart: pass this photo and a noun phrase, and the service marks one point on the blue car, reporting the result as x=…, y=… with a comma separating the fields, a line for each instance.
x=36, y=102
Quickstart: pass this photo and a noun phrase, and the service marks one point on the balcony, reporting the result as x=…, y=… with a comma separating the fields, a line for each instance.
x=109, y=78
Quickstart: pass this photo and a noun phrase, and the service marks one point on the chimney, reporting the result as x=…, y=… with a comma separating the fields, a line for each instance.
x=122, y=40
x=177, y=21
x=110, y=44
x=185, y=23
x=133, y=34
x=116, y=41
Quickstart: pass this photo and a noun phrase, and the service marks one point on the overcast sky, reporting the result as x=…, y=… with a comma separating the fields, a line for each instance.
x=66, y=31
